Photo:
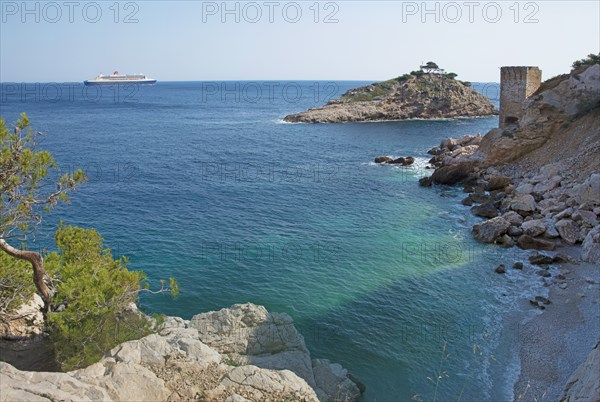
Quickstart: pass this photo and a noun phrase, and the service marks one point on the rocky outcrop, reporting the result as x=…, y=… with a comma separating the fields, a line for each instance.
x=543, y=171
x=427, y=96
x=236, y=354
x=584, y=383
x=25, y=321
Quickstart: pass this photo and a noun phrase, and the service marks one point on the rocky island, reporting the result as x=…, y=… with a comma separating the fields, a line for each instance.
x=428, y=93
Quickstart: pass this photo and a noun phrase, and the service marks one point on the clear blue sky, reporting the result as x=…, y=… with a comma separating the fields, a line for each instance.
x=184, y=40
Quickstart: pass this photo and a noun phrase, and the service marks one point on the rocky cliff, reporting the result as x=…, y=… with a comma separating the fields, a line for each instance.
x=584, y=383
x=537, y=183
x=238, y=354
x=426, y=96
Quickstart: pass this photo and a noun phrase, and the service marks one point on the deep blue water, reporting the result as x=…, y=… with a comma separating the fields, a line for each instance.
x=203, y=182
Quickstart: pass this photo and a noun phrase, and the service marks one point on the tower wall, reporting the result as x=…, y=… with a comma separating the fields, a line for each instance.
x=516, y=85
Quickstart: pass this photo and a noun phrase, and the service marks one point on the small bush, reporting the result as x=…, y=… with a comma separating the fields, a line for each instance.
x=93, y=290
x=16, y=284
x=588, y=61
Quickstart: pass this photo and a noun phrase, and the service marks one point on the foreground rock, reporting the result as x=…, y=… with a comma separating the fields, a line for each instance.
x=428, y=96
x=25, y=321
x=584, y=383
x=236, y=354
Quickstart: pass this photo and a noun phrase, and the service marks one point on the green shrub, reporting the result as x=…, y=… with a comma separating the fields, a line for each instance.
x=93, y=291
x=588, y=61
x=16, y=285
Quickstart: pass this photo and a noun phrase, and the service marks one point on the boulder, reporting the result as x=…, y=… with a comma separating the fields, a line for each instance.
x=584, y=384
x=505, y=241
x=566, y=213
x=451, y=174
x=515, y=231
x=498, y=183
x=585, y=217
x=568, y=230
x=489, y=231
x=551, y=232
x=425, y=181
x=524, y=204
x=333, y=379
x=524, y=188
x=534, y=227
x=500, y=269
x=487, y=210
x=538, y=259
x=514, y=218
x=527, y=242
x=547, y=185
x=398, y=161
x=590, y=249
x=383, y=159
x=589, y=190
x=518, y=265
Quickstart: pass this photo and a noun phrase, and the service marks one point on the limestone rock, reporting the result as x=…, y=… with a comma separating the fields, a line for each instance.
x=589, y=191
x=184, y=356
x=590, y=249
x=586, y=217
x=451, y=174
x=498, y=183
x=490, y=230
x=568, y=230
x=534, y=227
x=485, y=211
x=523, y=204
x=584, y=383
x=514, y=218
x=333, y=381
x=28, y=319
x=383, y=159
x=527, y=242
x=262, y=384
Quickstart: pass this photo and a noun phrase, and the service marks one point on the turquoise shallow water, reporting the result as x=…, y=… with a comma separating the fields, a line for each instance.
x=212, y=188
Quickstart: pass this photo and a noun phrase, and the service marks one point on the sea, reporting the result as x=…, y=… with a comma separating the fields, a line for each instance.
x=205, y=182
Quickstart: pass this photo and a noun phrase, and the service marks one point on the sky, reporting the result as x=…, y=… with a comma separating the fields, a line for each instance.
x=61, y=41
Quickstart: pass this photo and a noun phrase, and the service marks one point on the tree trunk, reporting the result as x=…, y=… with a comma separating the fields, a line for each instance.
x=37, y=263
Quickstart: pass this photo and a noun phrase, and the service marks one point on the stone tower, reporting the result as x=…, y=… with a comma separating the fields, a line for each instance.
x=516, y=85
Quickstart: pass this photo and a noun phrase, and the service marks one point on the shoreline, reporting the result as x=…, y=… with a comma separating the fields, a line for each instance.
x=559, y=339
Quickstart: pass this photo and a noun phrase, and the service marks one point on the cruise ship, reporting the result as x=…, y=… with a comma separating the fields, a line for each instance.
x=117, y=79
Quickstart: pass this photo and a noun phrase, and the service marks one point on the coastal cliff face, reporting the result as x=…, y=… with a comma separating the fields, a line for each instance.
x=539, y=182
x=238, y=354
x=427, y=96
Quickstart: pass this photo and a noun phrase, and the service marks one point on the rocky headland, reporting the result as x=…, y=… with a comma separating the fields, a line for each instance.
x=238, y=354
x=536, y=184
x=420, y=96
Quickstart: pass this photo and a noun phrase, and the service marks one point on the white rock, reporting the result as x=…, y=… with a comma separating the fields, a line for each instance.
x=589, y=191
x=534, y=227
x=568, y=230
x=523, y=203
x=590, y=249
